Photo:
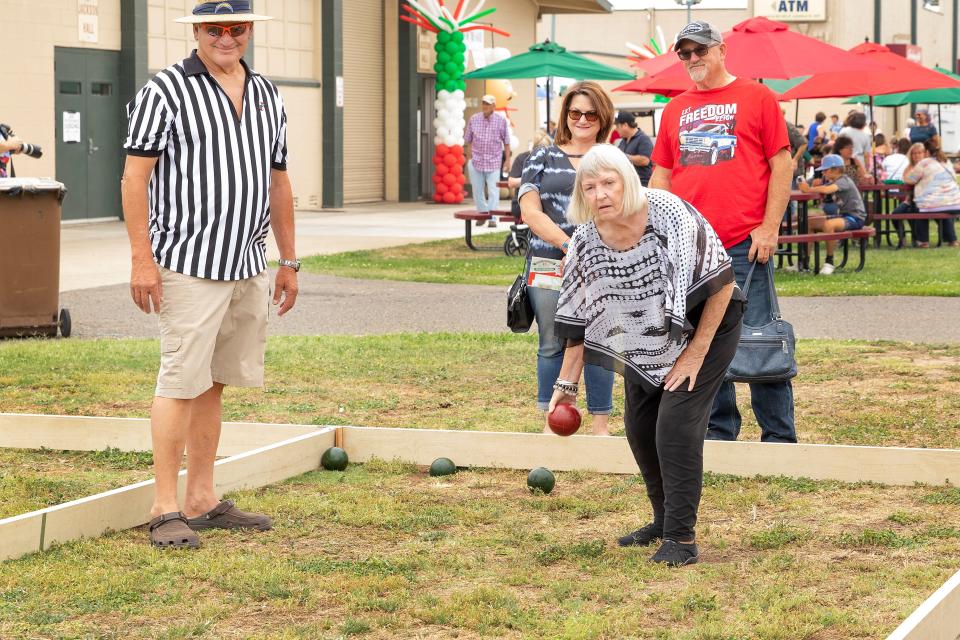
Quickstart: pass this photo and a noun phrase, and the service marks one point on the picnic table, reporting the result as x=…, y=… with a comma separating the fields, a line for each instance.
x=800, y=236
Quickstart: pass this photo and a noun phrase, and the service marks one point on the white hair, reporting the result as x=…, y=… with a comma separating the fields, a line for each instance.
x=602, y=158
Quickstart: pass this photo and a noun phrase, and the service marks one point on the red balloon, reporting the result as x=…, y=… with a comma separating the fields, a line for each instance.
x=442, y=188
x=460, y=179
x=449, y=179
x=437, y=197
x=437, y=178
x=442, y=150
x=564, y=420
x=442, y=169
x=457, y=151
x=449, y=159
x=449, y=197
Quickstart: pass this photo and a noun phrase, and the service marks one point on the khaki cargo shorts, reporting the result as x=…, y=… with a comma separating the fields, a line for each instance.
x=211, y=331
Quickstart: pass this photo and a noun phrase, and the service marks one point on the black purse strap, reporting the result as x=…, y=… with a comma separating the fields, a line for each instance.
x=774, y=303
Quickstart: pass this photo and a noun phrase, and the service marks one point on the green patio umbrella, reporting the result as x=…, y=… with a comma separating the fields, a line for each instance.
x=547, y=59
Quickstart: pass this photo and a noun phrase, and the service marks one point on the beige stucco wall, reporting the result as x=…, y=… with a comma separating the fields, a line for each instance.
x=31, y=31
x=518, y=18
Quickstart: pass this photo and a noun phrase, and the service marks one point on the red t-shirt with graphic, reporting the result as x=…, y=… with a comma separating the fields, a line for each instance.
x=717, y=144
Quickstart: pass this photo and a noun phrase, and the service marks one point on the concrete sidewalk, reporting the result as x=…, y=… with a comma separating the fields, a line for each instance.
x=98, y=254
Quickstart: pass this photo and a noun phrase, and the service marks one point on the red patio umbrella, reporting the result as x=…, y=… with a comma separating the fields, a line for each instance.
x=901, y=75
x=763, y=48
x=668, y=87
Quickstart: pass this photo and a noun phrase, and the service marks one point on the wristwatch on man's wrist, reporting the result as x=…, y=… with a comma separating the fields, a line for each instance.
x=293, y=264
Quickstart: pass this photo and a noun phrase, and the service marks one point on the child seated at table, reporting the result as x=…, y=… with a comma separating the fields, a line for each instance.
x=845, y=213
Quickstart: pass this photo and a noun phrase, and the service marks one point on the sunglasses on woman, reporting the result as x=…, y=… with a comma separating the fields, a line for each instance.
x=575, y=114
x=235, y=30
x=684, y=54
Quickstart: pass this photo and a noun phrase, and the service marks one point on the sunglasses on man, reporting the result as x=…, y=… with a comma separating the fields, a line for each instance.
x=575, y=114
x=235, y=30
x=701, y=50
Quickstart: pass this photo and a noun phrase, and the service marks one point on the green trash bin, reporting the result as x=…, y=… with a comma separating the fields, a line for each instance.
x=30, y=258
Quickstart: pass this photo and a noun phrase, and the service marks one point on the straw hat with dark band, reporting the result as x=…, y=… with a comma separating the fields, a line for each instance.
x=225, y=11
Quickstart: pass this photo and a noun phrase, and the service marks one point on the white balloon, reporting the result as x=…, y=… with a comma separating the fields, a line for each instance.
x=514, y=142
x=438, y=140
x=450, y=139
x=443, y=94
x=458, y=94
x=443, y=132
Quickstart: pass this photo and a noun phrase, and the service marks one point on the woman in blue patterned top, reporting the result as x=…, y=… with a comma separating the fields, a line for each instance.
x=648, y=291
x=586, y=117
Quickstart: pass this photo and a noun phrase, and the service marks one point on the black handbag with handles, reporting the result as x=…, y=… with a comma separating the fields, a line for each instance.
x=765, y=353
x=519, y=308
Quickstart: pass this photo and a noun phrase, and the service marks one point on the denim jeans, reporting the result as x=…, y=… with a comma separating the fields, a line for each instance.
x=772, y=402
x=486, y=195
x=921, y=228
x=599, y=381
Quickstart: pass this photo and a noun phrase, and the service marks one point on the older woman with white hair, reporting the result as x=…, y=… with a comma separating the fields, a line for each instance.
x=649, y=292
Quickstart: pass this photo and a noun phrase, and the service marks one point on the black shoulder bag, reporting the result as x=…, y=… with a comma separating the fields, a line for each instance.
x=519, y=308
x=765, y=353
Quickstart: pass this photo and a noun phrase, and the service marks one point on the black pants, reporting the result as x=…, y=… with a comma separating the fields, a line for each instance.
x=665, y=430
x=921, y=228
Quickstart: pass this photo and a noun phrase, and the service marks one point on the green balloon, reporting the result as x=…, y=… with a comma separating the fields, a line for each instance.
x=443, y=57
x=461, y=84
x=457, y=58
x=462, y=47
x=451, y=68
x=458, y=36
x=451, y=85
x=437, y=67
x=443, y=78
x=452, y=47
x=444, y=36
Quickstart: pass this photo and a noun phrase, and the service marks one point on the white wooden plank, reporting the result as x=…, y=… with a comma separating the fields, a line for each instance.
x=86, y=433
x=888, y=465
x=129, y=506
x=20, y=534
x=938, y=618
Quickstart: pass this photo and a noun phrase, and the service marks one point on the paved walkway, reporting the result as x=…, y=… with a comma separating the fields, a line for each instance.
x=330, y=305
x=95, y=268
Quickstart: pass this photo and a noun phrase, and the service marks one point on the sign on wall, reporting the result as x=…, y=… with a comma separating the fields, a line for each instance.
x=792, y=10
x=88, y=27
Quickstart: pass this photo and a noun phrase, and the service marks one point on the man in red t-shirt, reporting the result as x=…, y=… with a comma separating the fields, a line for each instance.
x=723, y=147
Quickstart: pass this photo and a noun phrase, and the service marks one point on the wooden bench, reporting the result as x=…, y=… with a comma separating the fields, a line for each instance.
x=901, y=229
x=815, y=239
x=471, y=216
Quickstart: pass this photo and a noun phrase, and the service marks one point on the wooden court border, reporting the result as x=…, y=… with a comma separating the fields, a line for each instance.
x=262, y=454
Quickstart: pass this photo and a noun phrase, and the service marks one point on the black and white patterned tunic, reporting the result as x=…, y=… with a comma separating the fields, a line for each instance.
x=631, y=307
x=548, y=172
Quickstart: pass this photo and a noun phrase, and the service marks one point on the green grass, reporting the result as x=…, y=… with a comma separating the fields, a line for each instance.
x=384, y=551
x=915, y=272
x=847, y=392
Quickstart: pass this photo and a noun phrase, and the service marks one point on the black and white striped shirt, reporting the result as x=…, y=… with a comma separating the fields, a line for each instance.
x=209, y=203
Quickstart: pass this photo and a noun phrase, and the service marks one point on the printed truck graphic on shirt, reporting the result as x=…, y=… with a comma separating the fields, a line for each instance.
x=707, y=134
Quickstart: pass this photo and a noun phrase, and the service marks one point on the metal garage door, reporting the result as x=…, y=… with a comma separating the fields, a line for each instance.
x=363, y=115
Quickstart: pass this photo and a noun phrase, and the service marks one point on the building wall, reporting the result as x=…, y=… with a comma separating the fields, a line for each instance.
x=518, y=18
x=32, y=29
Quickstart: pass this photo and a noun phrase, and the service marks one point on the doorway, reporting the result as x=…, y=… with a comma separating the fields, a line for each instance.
x=425, y=109
x=90, y=127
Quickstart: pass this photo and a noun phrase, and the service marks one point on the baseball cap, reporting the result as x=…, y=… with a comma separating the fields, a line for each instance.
x=700, y=32
x=831, y=161
x=625, y=117
x=489, y=99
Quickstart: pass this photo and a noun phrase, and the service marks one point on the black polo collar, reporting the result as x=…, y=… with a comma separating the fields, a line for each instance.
x=194, y=66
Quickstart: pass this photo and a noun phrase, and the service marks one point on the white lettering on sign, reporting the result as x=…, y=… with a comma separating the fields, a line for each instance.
x=88, y=20
x=792, y=10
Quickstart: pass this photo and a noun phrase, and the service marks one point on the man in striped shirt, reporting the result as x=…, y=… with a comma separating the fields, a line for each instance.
x=205, y=178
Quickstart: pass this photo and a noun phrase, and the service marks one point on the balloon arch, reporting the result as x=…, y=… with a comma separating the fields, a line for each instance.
x=449, y=123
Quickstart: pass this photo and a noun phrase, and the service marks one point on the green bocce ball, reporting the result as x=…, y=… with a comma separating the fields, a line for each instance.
x=541, y=479
x=442, y=467
x=334, y=459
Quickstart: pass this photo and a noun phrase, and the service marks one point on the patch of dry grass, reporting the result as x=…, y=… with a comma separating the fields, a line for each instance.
x=384, y=551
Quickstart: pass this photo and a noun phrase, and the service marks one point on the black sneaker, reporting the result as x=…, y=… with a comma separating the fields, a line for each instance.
x=642, y=536
x=674, y=554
